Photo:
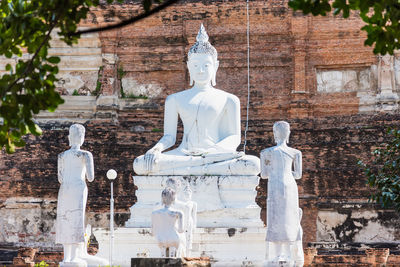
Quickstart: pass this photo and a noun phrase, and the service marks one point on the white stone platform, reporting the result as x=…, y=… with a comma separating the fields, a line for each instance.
x=229, y=231
x=224, y=246
x=222, y=201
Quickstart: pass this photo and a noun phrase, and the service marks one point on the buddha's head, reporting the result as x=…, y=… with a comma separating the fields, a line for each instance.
x=76, y=135
x=202, y=60
x=175, y=184
x=281, y=132
x=168, y=196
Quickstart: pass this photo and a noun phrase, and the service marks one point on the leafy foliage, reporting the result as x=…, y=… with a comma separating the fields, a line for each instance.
x=384, y=172
x=381, y=17
x=41, y=264
x=29, y=86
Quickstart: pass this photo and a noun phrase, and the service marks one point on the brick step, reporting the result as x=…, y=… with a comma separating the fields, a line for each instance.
x=331, y=256
x=334, y=248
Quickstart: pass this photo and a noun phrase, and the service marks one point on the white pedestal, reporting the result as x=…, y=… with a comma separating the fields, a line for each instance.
x=222, y=201
x=73, y=264
x=224, y=246
x=387, y=101
x=230, y=230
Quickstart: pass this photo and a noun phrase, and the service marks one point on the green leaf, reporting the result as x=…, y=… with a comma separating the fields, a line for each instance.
x=8, y=54
x=54, y=60
x=34, y=129
x=20, y=143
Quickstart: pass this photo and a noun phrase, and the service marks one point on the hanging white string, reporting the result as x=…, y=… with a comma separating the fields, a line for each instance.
x=248, y=76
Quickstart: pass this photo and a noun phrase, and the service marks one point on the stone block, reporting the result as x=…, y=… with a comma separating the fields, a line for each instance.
x=156, y=262
x=132, y=88
x=172, y=262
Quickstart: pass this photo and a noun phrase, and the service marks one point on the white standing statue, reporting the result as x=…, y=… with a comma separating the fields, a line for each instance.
x=191, y=222
x=386, y=75
x=176, y=185
x=167, y=226
x=211, y=125
x=73, y=166
x=281, y=165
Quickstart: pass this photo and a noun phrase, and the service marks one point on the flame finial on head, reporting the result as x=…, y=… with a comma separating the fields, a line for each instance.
x=202, y=45
x=202, y=36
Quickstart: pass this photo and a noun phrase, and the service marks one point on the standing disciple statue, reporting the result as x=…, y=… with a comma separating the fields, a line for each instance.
x=183, y=202
x=281, y=165
x=211, y=125
x=73, y=166
x=167, y=226
x=191, y=222
x=386, y=76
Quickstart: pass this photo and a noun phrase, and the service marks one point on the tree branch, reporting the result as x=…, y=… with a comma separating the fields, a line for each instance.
x=129, y=21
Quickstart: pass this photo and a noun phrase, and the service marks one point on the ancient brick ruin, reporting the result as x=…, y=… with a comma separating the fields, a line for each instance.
x=313, y=72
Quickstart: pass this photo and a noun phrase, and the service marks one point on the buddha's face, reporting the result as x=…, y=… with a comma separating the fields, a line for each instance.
x=202, y=68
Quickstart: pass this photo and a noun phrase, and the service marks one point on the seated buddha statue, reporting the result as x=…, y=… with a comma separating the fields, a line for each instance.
x=211, y=125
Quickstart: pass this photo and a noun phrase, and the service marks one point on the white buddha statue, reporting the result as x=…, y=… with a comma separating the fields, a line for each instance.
x=211, y=126
x=168, y=226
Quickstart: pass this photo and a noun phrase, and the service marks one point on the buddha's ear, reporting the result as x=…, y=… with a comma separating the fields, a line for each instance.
x=82, y=140
x=213, y=80
x=191, y=80
x=190, y=76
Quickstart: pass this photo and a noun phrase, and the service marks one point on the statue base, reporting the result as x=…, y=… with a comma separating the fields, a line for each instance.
x=224, y=246
x=229, y=228
x=73, y=264
x=222, y=201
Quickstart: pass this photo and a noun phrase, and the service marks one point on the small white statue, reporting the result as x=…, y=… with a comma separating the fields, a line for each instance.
x=386, y=76
x=73, y=166
x=211, y=125
x=281, y=165
x=167, y=226
x=191, y=223
x=92, y=261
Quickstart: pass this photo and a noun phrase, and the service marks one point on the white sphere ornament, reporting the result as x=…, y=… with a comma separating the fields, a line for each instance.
x=111, y=174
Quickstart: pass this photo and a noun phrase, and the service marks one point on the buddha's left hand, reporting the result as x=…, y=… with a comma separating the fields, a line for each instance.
x=151, y=157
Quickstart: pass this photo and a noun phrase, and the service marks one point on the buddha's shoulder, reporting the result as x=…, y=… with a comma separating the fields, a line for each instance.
x=178, y=95
x=268, y=150
x=229, y=96
x=190, y=93
x=78, y=153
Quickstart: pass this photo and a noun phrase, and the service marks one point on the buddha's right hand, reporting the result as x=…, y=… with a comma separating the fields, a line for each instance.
x=151, y=157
